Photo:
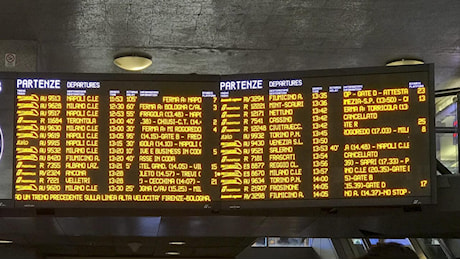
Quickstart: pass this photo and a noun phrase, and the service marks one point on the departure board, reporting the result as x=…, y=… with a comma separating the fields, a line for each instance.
x=342, y=140
x=299, y=139
x=112, y=141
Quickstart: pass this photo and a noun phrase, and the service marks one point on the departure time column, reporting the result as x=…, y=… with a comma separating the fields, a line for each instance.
x=116, y=141
x=320, y=143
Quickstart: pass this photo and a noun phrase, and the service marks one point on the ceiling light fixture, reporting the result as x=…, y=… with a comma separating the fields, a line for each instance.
x=172, y=253
x=133, y=62
x=177, y=243
x=402, y=62
x=6, y=242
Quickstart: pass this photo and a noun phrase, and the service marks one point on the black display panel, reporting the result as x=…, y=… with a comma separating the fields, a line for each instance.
x=83, y=140
x=355, y=137
x=332, y=138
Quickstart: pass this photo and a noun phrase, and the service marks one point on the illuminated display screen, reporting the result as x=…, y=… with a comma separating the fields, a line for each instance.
x=300, y=139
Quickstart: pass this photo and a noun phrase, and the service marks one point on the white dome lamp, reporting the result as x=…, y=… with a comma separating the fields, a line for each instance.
x=133, y=62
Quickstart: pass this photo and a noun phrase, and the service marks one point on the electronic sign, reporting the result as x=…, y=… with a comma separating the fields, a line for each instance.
x=112, y=141
x=355, y=137
x=320, y=140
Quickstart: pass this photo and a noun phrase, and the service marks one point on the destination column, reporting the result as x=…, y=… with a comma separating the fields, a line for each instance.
x=285, y=136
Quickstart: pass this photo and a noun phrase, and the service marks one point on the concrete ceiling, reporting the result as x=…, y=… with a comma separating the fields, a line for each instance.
x=228, y=36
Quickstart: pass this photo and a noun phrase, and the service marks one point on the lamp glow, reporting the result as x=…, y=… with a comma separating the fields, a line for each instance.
x=177, y=243
x=172, y=253
x=402, y=62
